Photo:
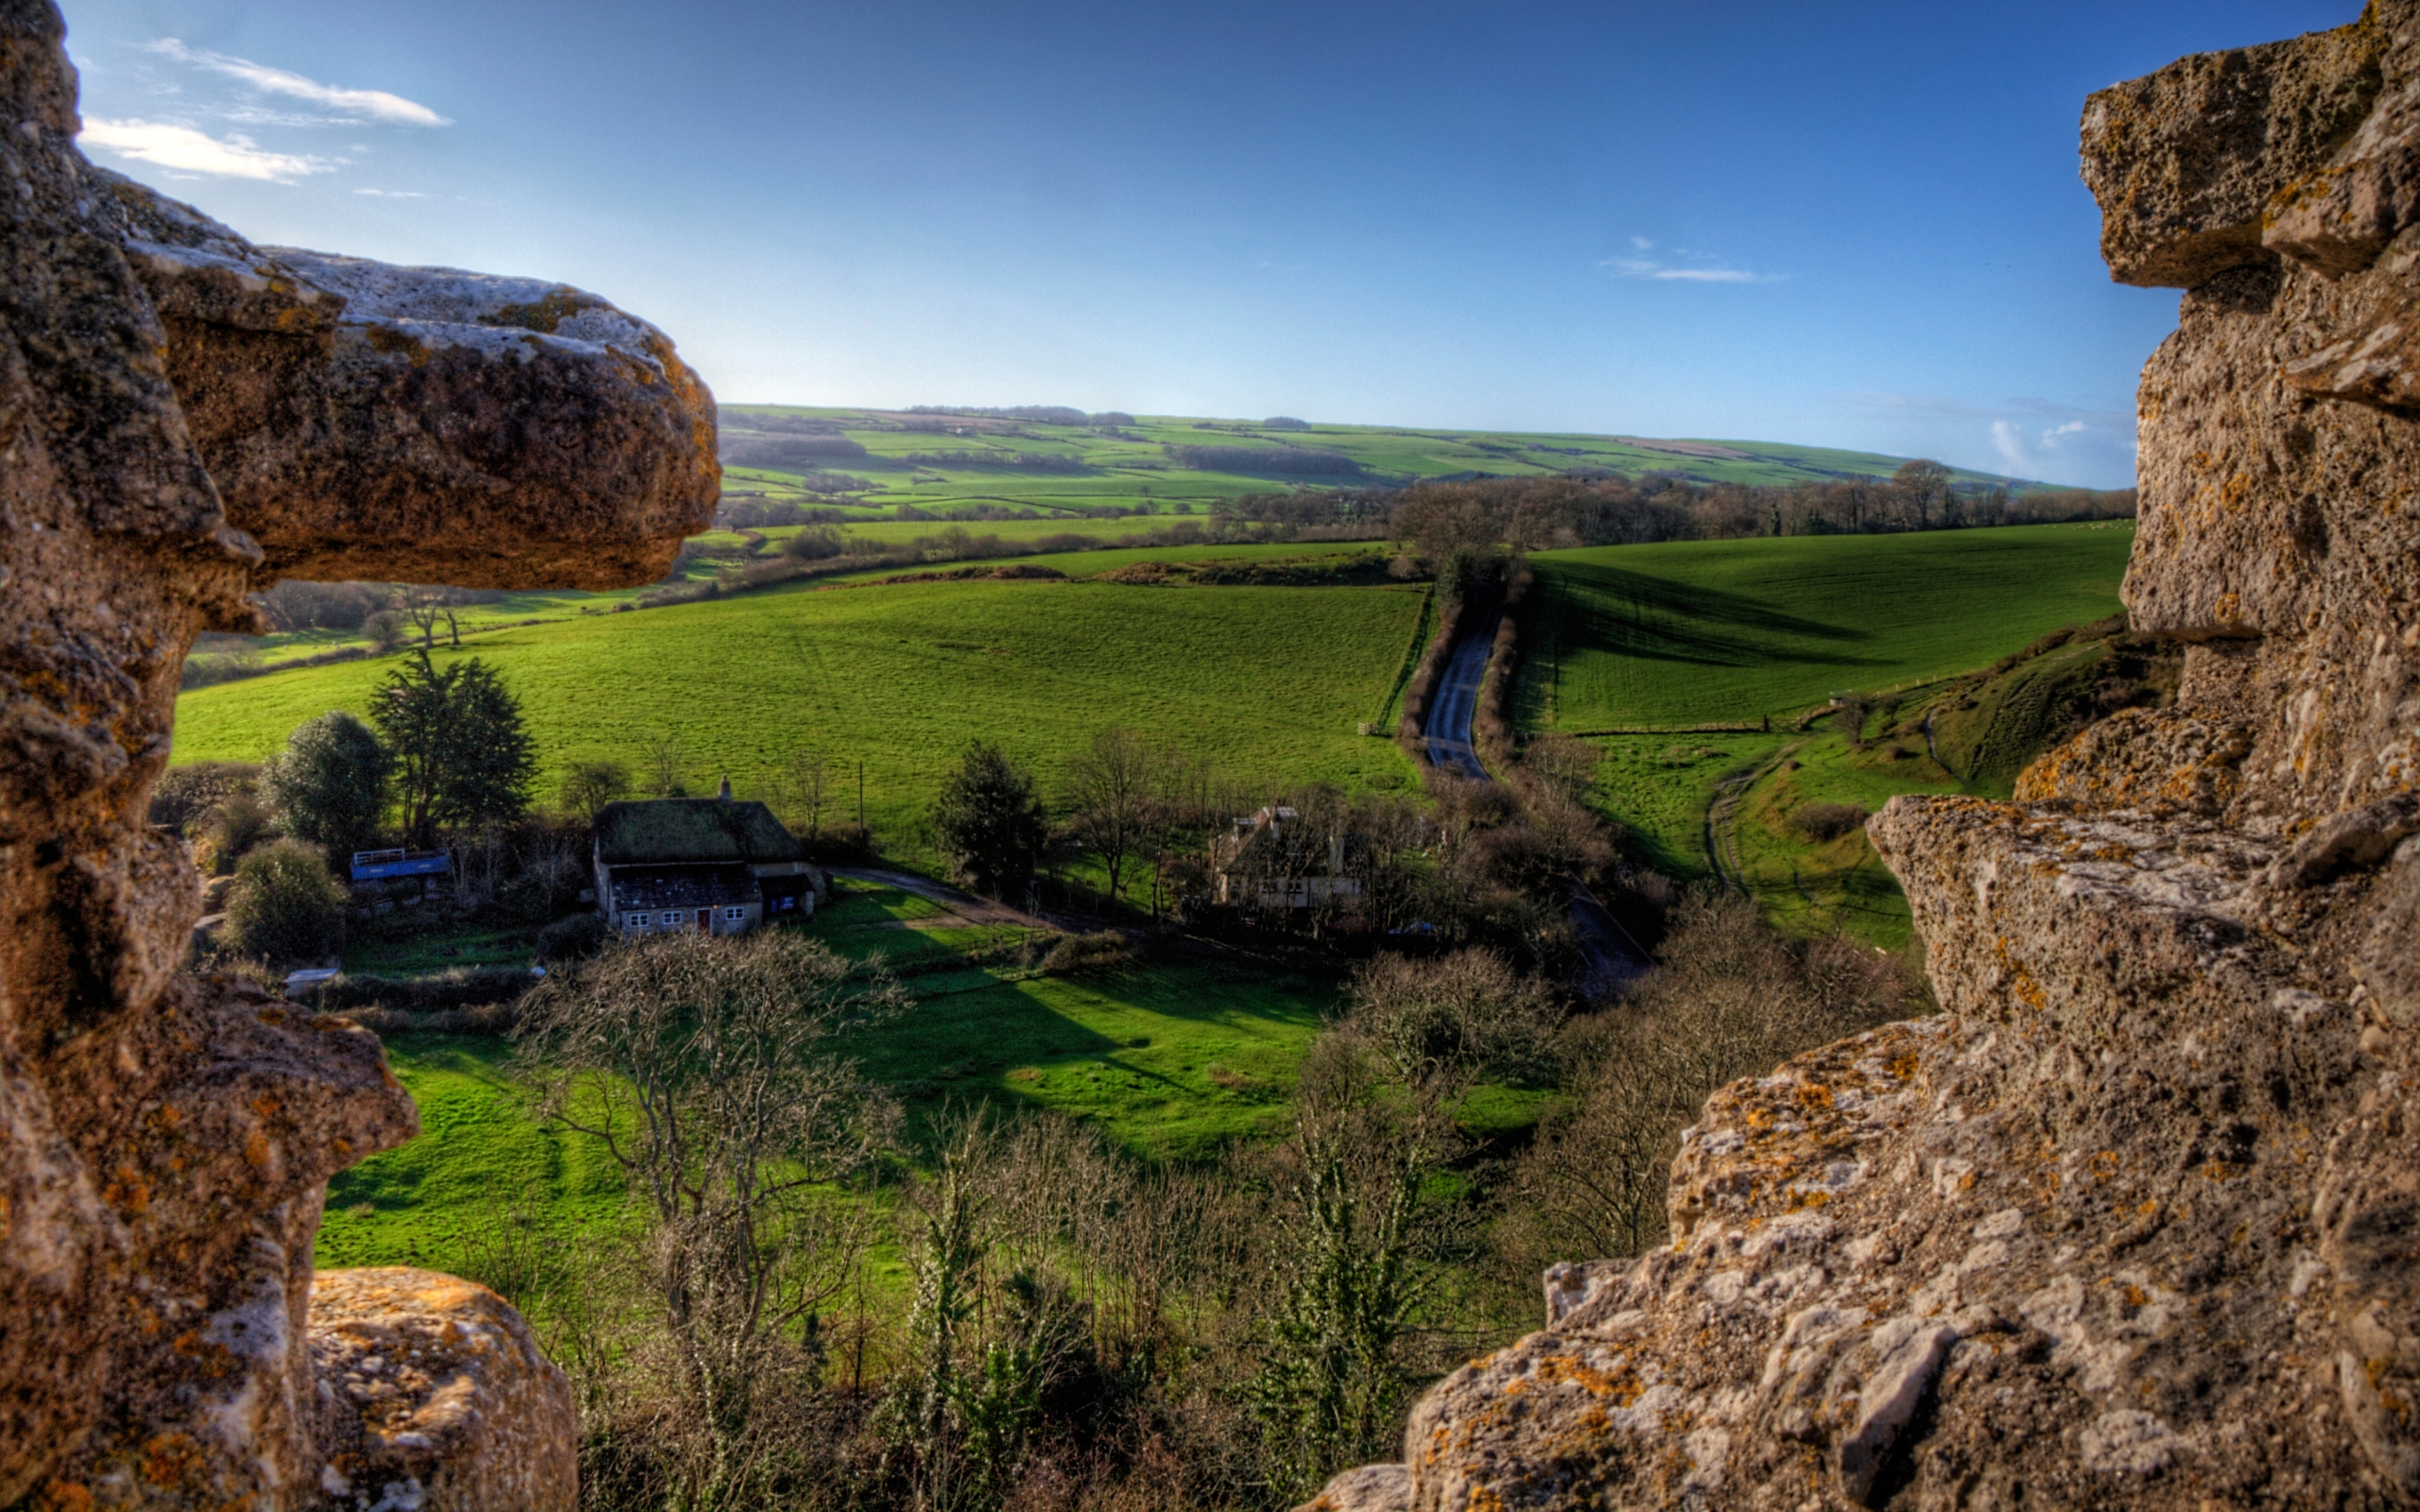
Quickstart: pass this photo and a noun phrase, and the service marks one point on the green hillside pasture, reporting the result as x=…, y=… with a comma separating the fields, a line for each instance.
x=1266, y=682
x=1686, y=632
x=1807, y=888
x=1658, y=788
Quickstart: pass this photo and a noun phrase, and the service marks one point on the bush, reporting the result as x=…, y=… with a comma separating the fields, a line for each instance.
x=574, y=938
x=1822, y=822
x=386, y=630
x=1469, y=1013
x=1087, y=953
x=816, y=544
x=839, y=845
x=185, y=794
x=229, y=832
x=285, y=906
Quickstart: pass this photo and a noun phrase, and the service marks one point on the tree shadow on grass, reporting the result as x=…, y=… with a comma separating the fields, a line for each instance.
x=1635, y=615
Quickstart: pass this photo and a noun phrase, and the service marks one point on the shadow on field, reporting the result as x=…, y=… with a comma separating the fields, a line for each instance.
x=1635, y=614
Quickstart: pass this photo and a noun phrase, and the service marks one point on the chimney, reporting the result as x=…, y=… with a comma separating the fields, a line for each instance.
x=725, y=794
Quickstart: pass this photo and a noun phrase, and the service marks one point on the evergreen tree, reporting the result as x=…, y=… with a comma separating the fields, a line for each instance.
x=989, y=823
x=330, y=783
x=461, y=753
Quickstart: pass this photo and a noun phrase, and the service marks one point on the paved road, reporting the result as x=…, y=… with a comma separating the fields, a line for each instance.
x=1447, y=732
x=1614, y=959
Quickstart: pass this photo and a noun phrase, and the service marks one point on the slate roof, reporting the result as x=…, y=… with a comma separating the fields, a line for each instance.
x=692, y=832
x=682, y=887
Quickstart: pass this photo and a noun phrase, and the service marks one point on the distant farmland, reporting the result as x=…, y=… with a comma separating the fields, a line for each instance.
x=1165, y=463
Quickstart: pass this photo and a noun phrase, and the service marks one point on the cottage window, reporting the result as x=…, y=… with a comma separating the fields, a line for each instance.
x=735, y=914
x=672, y=920
x=635, y=923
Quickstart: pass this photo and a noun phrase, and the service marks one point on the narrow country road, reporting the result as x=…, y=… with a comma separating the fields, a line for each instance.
x=1455, y=707
x=1614, y=959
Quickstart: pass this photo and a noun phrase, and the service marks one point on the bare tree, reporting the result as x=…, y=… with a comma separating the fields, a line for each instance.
x=589, y=786
x=1112, y=799
x=661, y=760
x=424, y=608
x=807, y=773
x=703, y=1068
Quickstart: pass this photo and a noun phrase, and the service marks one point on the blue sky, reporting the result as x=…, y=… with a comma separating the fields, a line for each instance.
x=1849, y=225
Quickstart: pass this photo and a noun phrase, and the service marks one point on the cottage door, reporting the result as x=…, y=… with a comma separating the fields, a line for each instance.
x=705, y=921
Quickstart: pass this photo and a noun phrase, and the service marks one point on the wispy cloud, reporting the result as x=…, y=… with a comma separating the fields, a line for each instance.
x=2024, y=449
x=359, y=104
x=181, y=148
x=1691, y=268
x=392, y=194
x=2032, y=437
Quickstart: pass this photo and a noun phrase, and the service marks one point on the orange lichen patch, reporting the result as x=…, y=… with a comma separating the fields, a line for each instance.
x=541, y=316
x=1621, y=1389
x=170, y=1460
x=1815, y=1095
x=265, y=1106
x=256, y=1150
x=2103, y=1165
x=127, y=1192
x=64, y=1496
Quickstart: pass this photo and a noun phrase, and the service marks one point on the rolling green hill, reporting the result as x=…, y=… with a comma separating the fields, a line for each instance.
x=1066, y=470
x=1735, y=631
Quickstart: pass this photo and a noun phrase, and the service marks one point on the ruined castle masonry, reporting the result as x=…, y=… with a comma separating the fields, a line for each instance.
x=2135, y=1222
x=185, y=419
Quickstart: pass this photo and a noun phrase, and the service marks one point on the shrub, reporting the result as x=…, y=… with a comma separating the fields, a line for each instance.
x=185, y=794
x=816, y=544
x=1087, y=953
x=285, y=906
x=1822, y=822
x=229, y=831
x=574, y=938
x=386, y=630
x=1468, y=1013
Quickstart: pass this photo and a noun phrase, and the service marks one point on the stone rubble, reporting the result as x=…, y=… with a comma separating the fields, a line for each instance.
x=185, y=418
x=2132, y=1223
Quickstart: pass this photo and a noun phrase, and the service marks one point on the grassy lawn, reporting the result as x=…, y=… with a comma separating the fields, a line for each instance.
x=1266, y=682
x=1658, y=788
x=1731, y=630
x=1809, y=888
x=1172, y=1060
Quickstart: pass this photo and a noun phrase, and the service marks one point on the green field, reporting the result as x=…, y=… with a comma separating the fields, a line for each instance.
x=1169, y=1059
x=1134, y=468
x=1695, y=631
x=1628, y=645
x=1268, y=683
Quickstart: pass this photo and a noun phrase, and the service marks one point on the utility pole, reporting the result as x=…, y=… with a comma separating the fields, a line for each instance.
x=861, y=793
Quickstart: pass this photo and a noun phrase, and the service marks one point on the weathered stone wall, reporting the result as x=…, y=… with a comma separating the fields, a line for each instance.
x=2136, y=1222
x=183, y=419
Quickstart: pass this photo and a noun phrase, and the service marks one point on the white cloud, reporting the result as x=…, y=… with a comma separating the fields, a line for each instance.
x=392, y=194
x=372, y=104
x=234, y=156
x=1663, y=272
